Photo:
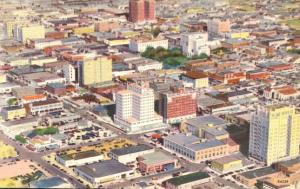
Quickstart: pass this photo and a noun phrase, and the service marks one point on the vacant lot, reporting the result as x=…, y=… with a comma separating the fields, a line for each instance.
x=7, y=151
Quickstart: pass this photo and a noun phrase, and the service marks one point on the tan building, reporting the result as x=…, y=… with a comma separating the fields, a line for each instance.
x=96, y=70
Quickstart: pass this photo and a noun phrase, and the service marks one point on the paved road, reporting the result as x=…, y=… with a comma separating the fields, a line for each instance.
x=37, y=157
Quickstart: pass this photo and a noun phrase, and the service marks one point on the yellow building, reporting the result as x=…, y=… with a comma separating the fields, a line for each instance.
x=3, y=77
x=239, y=35
x=274, y=133
x=84, y=30
x=96, y=70
x=197, y=79
x=13, y=112
x=25, y=33
x=226, y=164
x=116, y=41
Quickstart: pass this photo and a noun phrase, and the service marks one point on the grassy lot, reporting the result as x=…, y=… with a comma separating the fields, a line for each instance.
x=7, y=151
x=104, y=147
x=46, y=131
x=292, y=23
x=11, y=183
x=242, y=5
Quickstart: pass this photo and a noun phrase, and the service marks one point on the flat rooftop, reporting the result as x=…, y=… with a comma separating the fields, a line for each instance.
x=156, y=157
x=104, y=168
x=257, y=173
x=130, y=149
x=177, y=181
x=80, y=155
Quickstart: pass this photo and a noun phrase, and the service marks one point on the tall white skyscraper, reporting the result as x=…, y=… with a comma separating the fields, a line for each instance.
x=135, y=110
x=274, y=133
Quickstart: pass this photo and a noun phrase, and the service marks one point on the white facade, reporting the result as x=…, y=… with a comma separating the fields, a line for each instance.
x=136, y=45
x=154, y=65
x=78, y=162
x=69, y=73
x=131, y=157
x=194, y=43
x=45, y=107
x=135, y=109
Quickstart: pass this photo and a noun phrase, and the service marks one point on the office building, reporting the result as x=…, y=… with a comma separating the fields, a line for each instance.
x=95, y=70
x=218, y=26
x=177, y=104
x=194, y=43
x=135, y=110
x=274, y=133
x=26, y=33
x=141, y=10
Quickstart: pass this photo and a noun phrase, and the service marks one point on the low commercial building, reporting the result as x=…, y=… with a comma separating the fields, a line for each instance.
x=43, y=107
x=50, y=182
x=140, y=44
x=156, y=162
x=250, y=178
x=192, y=148
x=58, y=120
x=144, y=64
x=226, y=164
x=80, y=158
x=56, y=88
x=41, y=143
x=103, y=172
x=6, y=88
x=13, y=112
x=208, y=127
x=197, y=79
x=129, y=154
x=188, y=181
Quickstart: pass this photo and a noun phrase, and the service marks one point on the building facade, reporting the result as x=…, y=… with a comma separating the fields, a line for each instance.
x=95, y=70
x=194, y=43
x=177, y=105
x=141, y=10
x=274, y=133
x=135, y=109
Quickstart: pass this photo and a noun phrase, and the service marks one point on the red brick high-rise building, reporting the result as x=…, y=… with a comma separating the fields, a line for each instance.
x=177, y=104
x=150, y=9
x=141, y=10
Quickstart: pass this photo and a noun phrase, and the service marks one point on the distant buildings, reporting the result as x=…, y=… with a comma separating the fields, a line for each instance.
x=177, y=104
x=274, y=133
x=141, y=10
x=135, y=110
x=95, y=70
